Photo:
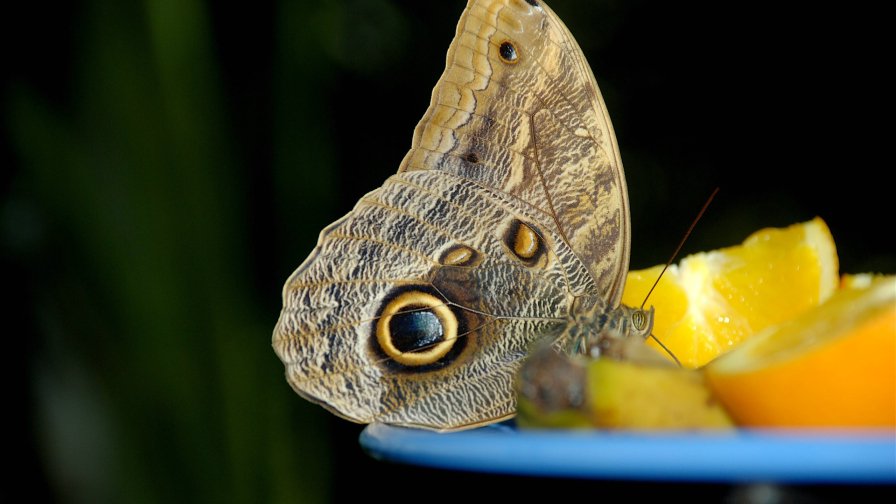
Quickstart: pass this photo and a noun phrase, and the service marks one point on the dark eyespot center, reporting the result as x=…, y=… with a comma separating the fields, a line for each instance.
x=472, y=157
x=508, y=52
x=533, y=3
x=415, y=330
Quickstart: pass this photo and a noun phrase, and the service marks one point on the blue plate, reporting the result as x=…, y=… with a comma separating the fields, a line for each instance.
x=745, y=455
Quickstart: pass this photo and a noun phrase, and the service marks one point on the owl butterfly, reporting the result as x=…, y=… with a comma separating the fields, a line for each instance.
x=507, y=223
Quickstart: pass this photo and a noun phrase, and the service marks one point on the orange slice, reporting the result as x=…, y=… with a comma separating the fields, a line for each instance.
x=833, y=366
x=711, y=301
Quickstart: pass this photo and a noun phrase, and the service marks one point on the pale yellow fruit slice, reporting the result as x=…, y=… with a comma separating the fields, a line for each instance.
x=711, y=301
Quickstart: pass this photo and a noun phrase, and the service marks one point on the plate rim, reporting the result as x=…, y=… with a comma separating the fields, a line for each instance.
x=791, y=456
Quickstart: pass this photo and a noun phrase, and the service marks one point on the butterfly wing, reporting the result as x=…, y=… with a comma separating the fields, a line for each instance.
x=518, y=109
x=417, y=307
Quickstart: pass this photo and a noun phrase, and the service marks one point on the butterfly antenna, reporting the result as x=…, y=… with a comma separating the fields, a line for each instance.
x=672, y=258
x=660, y=343
x=677, y=250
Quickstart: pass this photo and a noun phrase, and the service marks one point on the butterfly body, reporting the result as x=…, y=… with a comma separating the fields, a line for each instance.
x=506, y=223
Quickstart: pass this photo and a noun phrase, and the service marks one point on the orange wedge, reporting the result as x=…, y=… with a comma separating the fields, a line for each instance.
x=711, y=301
x=832, y=366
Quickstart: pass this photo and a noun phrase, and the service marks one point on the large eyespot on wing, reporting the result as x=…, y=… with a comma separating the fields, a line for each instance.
x=417, y=330
x=518, y=109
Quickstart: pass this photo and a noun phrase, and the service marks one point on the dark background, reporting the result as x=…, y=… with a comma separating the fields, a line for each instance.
x=167, y=164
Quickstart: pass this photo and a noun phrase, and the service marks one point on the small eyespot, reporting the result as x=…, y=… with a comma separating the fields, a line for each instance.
x=472, y=157
x=508, y=52
x=460, y=255
x=524, y=242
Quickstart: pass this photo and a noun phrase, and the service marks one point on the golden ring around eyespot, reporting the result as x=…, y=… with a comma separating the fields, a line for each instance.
x=415, y=301
x=508, y=53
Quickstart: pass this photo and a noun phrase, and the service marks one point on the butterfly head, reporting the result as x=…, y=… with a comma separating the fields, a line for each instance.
x=634, y=322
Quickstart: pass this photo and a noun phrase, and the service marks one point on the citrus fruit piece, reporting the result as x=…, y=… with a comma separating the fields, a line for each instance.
x=711, y=301
x=561, y=391
x=832, y=366
x=633, y=395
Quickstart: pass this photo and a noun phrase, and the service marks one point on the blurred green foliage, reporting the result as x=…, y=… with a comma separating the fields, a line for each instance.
x=172, y=161
x=154, y=380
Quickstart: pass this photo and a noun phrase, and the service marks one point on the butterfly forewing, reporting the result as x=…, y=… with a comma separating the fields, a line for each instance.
x=535, y=127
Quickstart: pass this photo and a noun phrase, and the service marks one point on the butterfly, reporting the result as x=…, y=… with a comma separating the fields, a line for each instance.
x=507, y=223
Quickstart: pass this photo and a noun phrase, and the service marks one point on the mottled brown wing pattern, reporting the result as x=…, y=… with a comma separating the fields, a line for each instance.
x=510, y=209
x=535, y=127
